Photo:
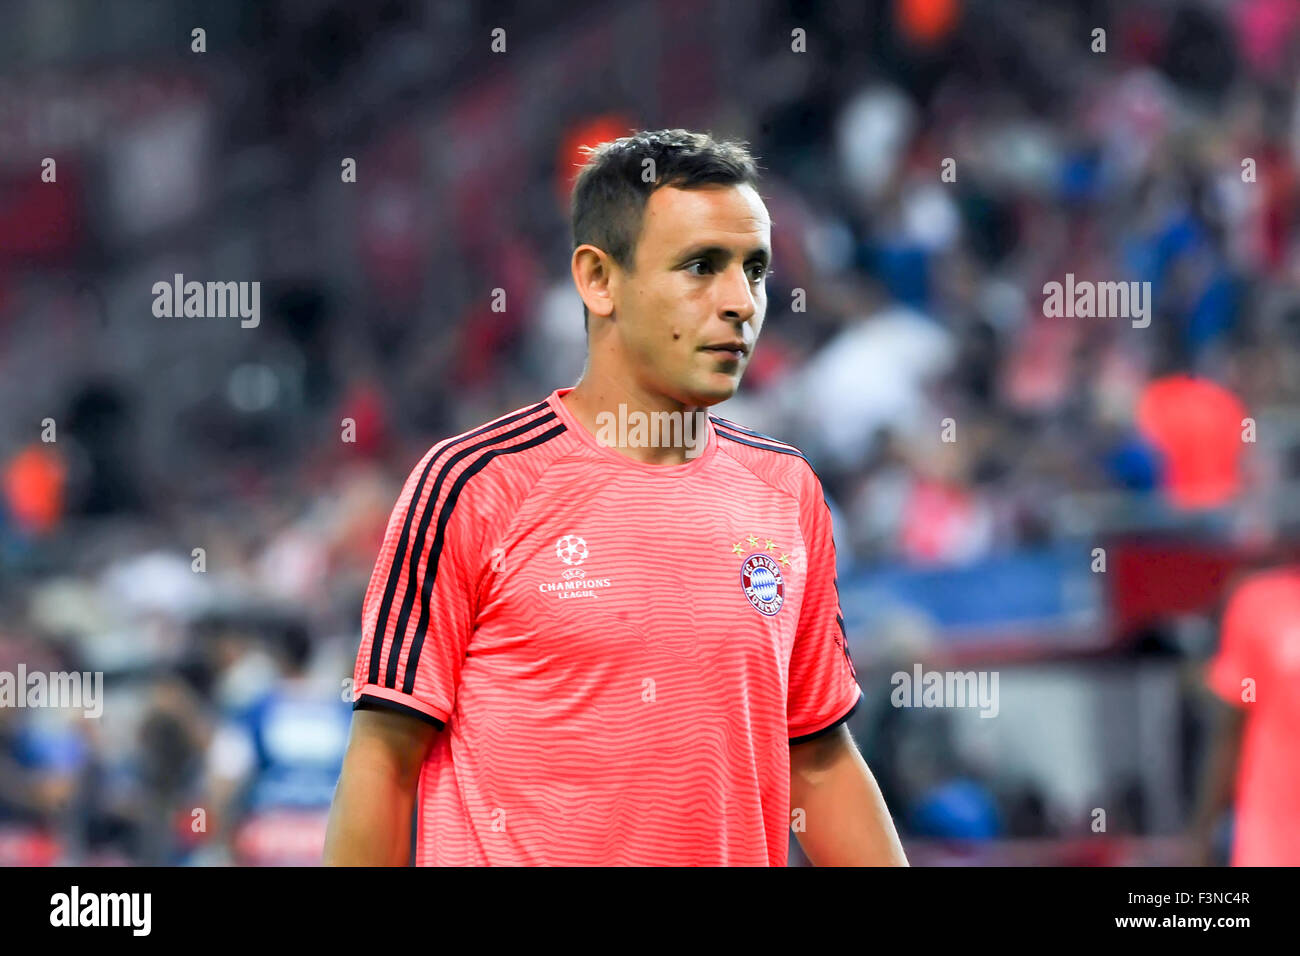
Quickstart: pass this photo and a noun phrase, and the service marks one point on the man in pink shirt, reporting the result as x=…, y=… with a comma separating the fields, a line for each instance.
x=589, y=645
x=1256, y=755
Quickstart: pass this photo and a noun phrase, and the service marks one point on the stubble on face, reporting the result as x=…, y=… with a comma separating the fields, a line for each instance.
x=692, y=293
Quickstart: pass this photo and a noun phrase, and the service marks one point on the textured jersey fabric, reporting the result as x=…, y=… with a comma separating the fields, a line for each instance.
x=1257, y=668
x=618, y=654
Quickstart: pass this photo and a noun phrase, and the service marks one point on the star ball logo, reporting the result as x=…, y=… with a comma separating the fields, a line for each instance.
x=571, y=549
x=761, y=578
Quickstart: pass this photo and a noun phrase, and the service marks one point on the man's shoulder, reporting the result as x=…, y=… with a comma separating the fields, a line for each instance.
x=1267, y=588
x=502, y=456
x=522, y=424
x=778, y=462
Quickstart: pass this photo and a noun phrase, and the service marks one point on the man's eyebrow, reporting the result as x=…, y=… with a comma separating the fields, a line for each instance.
x=722, y=252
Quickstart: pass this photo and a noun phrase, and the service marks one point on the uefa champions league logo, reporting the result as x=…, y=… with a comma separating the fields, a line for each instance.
x=571, y=549
x=574, y=583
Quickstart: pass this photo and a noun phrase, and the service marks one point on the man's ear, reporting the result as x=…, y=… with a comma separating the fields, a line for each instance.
x=592, y=270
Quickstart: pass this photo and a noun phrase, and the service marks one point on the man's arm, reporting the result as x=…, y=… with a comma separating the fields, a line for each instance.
x=846, y=820
x=1218, y=779
x=370, y=819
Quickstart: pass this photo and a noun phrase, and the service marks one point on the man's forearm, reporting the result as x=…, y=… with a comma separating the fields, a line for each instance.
x=1218, y=778
x=845, y=820
x=370, y=819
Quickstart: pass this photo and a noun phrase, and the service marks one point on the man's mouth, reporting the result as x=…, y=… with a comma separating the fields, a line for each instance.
x=734, y=350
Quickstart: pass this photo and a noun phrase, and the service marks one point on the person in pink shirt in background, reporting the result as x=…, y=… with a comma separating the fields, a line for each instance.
x=1254, y=764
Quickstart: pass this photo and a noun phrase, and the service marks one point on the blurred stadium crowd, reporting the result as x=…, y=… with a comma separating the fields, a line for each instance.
x=899, y=300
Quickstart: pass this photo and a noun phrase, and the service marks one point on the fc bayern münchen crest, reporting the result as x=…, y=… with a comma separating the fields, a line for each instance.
x=760, y=577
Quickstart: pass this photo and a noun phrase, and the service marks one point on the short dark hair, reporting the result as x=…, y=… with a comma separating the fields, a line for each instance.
x=611, y=191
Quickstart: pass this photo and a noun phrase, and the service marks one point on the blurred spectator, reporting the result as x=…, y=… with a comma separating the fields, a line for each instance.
x=1199, y=428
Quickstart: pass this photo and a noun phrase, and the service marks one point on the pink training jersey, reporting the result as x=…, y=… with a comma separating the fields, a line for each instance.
x=619, y=654
x=1257, y=668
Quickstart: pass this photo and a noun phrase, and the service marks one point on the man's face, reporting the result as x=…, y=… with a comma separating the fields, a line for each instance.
x=689, y=314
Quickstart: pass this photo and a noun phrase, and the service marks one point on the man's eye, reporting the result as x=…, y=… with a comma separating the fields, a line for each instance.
x=698, y=262
x=759, y=272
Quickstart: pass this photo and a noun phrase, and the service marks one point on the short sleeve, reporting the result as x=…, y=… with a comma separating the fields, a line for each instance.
x=419, y=607
x=1236, y=658
x=823, y=689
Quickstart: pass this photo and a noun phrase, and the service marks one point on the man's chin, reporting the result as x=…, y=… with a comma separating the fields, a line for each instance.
x=711, y=393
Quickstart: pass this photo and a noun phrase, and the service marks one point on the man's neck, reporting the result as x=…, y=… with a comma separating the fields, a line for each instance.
x=630, y=421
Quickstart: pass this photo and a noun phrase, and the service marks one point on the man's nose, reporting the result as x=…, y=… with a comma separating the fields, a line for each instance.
x=737, y=296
